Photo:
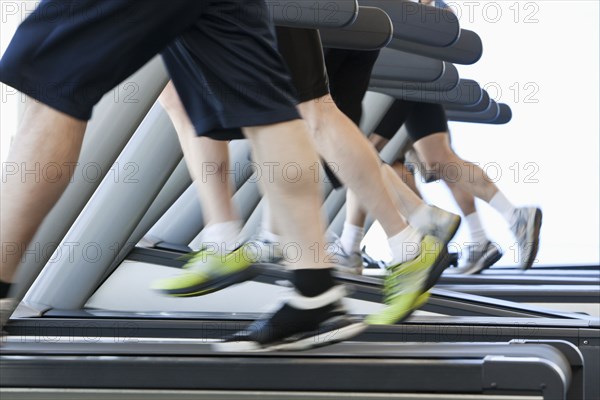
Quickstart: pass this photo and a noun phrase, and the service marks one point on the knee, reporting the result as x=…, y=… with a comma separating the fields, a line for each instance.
x=317, y=113
x=439, y=158
x=170, y=101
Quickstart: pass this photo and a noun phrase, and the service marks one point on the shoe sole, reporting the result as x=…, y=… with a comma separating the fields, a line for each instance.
x=489, y=261
x=306, y=343
x=417, y=303
x=535, y=244
x=214, y=285
x=479, y=267
x=442, y=262
x=444, y=259
x=7, y=308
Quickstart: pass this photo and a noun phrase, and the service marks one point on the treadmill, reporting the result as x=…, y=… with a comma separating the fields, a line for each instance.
x=65, y=347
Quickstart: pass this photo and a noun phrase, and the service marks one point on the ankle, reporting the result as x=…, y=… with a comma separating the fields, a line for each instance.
x=313, y=282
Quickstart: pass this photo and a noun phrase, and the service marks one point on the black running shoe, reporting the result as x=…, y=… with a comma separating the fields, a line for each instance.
x=301, y=323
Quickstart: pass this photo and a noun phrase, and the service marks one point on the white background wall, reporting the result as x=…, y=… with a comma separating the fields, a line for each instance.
x=547, y=53
x=551, y=46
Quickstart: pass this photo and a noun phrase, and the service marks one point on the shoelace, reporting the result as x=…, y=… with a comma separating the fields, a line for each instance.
x=520, y=227
x=474, y=252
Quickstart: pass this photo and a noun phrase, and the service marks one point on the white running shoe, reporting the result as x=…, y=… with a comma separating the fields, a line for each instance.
x=525, y=225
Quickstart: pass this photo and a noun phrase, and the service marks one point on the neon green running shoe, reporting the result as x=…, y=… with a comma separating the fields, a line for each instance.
x=206, y=273
x=405, y=288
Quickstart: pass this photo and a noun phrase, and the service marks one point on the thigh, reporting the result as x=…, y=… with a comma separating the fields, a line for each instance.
x=68, y=54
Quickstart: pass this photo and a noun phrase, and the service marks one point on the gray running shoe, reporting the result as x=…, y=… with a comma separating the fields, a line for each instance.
x=526, y=224
x=437, y=222
x=348, y=263
x=344, y=262
x=267, y=252
x=478, y=258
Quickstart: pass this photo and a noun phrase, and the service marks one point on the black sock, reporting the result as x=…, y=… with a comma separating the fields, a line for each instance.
x=4, y=289
x=313, y=282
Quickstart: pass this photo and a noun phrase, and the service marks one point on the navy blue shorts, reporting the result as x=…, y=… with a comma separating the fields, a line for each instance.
x=228, y=72
x=69, y=53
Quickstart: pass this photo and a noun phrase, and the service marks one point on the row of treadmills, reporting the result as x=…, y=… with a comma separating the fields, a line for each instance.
x=89, y=327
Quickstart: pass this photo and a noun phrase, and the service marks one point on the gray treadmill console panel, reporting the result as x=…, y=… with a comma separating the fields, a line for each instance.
x=418, y=23
x=399, y=66
x=505, y=115
x=486, y=116
x=448, y=81
x=468, y=92
x=467, y=50
x=313, y=13
x=372, y=30
x=481, y=105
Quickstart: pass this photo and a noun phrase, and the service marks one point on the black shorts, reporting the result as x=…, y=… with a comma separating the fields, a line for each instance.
x=422, y=119
x=349, y=76
x=303, y=54
x=69, y=53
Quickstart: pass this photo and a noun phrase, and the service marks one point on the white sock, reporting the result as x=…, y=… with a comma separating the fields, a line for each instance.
x=351, y=237
x=222, y=237
x=503, y=206
x=406, y=245
x=477, y=232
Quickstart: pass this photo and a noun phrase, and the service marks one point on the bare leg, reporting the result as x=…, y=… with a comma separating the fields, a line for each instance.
x=407, y=177
x=207, y=161
x=435, y=150
x=357, y=216
x=465, y=200
x=295, y=199
x=407, y=201
x=46, y=138
x=358, y=164
x=405, y=194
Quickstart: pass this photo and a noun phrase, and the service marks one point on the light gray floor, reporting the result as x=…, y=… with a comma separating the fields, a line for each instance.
x=128, y=289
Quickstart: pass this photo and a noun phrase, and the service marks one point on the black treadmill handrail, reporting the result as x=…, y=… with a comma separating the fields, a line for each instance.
x=453, y=367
